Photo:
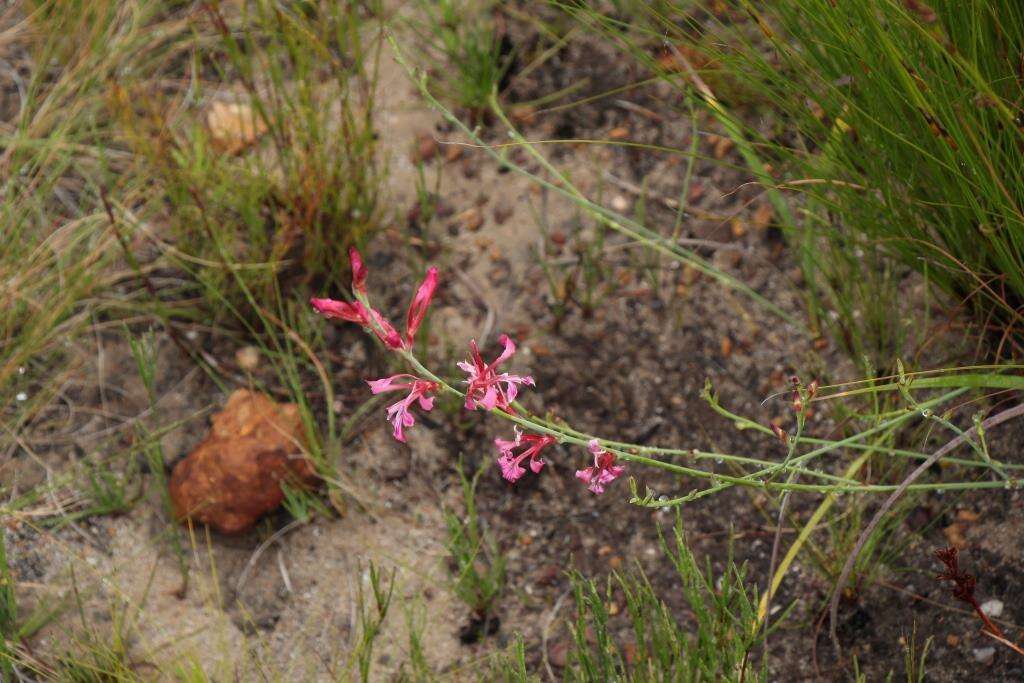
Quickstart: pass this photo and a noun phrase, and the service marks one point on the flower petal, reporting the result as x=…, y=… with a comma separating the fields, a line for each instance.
x=506, y=352
x=388, y=383
x=510, y=468
x=329, y=308
x=420, y=304
x=385, y=331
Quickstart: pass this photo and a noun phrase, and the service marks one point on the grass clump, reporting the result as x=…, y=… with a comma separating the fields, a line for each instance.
x=898, y=124
x=911, y=120
x=268, y=164
x=717, y=646
x=466, y=50
x=477, y=563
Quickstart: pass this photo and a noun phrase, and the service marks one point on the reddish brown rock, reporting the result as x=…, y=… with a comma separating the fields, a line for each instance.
x=234, y=476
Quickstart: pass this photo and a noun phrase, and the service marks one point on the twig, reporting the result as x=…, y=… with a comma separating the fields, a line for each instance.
x=254, y=558
x=483, y=299
x=999, y=639
x=670, y=203
x=284, y=570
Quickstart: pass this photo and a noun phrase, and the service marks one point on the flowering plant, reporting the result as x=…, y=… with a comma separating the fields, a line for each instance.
x=487, y=388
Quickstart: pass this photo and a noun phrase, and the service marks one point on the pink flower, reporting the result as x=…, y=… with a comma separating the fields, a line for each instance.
x=487, y=388
x=398, y=413
x=510, y=463
x=604, y=470
x=371, y=319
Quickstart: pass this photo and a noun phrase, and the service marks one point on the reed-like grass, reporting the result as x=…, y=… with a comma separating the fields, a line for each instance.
x=896, y=128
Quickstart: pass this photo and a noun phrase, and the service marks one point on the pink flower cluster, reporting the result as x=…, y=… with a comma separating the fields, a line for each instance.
x=486, y=388
x=398, y=413
x=510, y=462
x=356, y=312
x=604, y=470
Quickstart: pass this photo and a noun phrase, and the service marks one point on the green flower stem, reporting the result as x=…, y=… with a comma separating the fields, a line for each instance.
x=745, y=423
x=694, y=453
x=757, y=480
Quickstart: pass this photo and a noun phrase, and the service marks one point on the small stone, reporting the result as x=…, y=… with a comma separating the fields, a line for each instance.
x=952, y=640
x=620, y=203
x=763, y=216
x=247, y=357
x=471, y=219
x=967, y=516
x=502, y=212
x=984, y=655
x=425, y=149
x=992, y=608
x=234, y=476
x=523, y=113
x=722, y=145
x=618, y=133
x=233, y=126
x=547, y=575
x=613, y=609
x=452, y=153
x=558, y=654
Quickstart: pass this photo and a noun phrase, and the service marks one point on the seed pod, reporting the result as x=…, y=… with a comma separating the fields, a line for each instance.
x=781, y=434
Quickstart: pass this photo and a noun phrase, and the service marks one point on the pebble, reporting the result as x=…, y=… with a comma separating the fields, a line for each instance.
x=984, y=655
x=558, y=654
x=425, y=148
x=992, y=608
x=471, y=219
x=248, y=357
